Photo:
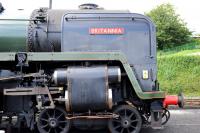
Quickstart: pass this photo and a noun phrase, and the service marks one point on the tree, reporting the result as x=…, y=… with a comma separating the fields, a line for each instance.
x=171, y=29
x=1, y=8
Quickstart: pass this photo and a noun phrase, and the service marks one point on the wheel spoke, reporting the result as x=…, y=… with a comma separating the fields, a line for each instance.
x=59, y=116
x=44, y=119
x=53, y=121
x=62, y=121
x=60, y=128
x=48, y=114
x=54, y=113
x=117, y=127
x=130, y=116
x=133, y=121
x=128, y=130
x=122, y=130
x=130, y=120
x=133, y=126
x=49, y=130
x=45, y=126
x=55, y=130
x=125, y=113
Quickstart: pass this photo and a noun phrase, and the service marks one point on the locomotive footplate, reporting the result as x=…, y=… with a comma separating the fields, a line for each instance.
x=30, y=91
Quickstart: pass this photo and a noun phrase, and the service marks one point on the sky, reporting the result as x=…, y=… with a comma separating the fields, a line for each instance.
x=188, y=10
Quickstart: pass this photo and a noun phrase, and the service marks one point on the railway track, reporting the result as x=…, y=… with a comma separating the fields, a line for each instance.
x=192, y=102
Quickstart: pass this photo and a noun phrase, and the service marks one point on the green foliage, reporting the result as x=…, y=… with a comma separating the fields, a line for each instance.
x=1, y=8
x=171, y=30
x=194, y=44
x=180, y=72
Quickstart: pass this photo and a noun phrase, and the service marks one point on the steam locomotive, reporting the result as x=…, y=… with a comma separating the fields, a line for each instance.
x=86, y=68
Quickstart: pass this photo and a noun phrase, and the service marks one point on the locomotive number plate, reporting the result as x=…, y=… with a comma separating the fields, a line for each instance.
x=105, y=31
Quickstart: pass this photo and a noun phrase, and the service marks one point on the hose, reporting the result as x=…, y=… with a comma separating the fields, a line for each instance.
x=166, y=116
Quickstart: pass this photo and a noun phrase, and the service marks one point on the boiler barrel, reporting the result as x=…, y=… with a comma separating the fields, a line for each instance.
x=13, y=30
x=39, y=31
x=12, y=36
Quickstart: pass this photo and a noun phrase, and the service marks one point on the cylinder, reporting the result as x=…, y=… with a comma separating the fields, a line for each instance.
x=114, y=74
x=88, y=88
x=60, y=77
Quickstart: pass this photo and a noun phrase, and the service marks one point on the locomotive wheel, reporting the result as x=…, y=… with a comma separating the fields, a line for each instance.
x=129, y=120
x=53, y=121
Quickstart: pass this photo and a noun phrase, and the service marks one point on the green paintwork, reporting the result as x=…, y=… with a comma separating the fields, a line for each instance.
x=12, y=36
x=90, y=56
x=13, y=28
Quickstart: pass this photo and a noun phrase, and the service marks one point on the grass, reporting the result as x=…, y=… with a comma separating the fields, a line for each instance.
x=195, y=44
x=179, y=70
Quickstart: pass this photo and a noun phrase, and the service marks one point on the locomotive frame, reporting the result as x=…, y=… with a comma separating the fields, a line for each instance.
x=89, y=56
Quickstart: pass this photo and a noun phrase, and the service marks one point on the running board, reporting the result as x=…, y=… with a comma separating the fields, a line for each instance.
x=30, y=91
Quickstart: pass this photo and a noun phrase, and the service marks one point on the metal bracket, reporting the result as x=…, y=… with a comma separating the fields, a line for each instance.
x=156, y=120
x=21, y=59
x=156, y=115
